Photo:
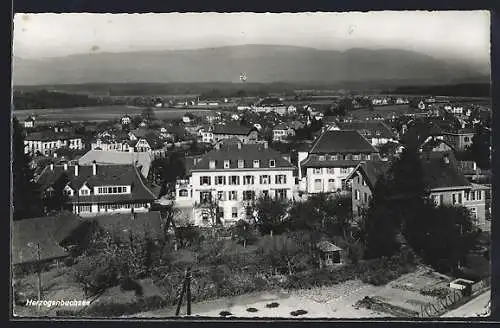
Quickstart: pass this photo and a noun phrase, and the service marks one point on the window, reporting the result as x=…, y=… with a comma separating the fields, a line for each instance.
x=280, y=194
x=221, y=195
x=183, y=193
x=221, y=213
x=67, y=192
x=233, y=195
x=344, y=170
x=479, y=195
x=331, y=184
x=84, y=192
x=335, y=157
x=204, y=216
x=241, y=164
x=363, y=181
x=365, y=196
x=435, y=199
x=368, y=157
x=317, y=170
x=330, y=170
x=318, y=184
x=457, y=198
x=344, y=184
x=205, y=180
x=256, y=163
x=234, y=212
x=356, y=157
x=205, y=196
x=321, y=158
x=248, y=180
x=212, y=164
x=272, y=163
x=85, y=208
x=265, y=179
x=220, y=180
x=280, y=179
x=248, y=195
x=466, y=139
x=265, y=193
x=227, y=164
x=348, y=157
x=356, y=194
x=234, y=180
x=473, y=212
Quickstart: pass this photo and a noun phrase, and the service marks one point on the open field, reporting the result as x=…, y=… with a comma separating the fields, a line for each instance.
x=103, y=113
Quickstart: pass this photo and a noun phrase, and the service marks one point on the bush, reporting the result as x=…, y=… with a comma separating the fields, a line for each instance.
x=129, y=284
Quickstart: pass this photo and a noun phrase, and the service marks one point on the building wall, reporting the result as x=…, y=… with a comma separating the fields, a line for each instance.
x=89, y=210
x=239, y=204
x=325, y=174
x=47, y=147
x=361, y=194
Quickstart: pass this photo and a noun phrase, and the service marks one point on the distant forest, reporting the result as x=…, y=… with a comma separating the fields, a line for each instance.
x=455, y=90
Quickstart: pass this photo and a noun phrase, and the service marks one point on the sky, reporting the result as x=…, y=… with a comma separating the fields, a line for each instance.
x=444, y=34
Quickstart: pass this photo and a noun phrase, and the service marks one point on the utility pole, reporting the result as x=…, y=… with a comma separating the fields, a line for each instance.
x=186, y=289
x=188, y=278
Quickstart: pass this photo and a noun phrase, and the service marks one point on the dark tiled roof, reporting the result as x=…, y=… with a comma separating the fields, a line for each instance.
x=154, y=140
x=309, y=162
x=107, y=175
x=432, y=143
x=371, y=171
x=369, y=129
x=124, y=223
x=48, y=232
x=345, y=141
x=50, y=136
x=248, y=153
x=235, y=129
x=438, y=174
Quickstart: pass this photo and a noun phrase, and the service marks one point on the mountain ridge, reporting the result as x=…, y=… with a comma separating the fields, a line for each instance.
x=262, y=63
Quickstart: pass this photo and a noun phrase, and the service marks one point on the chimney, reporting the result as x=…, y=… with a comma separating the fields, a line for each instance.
x=94, y=168
x=77, y=167
x=52, y=166
x=65, y=166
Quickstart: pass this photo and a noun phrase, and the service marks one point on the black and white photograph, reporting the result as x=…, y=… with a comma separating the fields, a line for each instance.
x=244, y=166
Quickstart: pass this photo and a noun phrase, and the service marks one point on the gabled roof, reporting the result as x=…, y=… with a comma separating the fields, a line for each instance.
x=371, y=171
x=327, y=247
x=118, y=157
x=234, y=129
x=48, y=232
x=439, y=174
x=123, y=223
x=345, y=141
x=369, y=129
x=106, y=175
x=248, y=153
x=281, y=126
x=50, y=136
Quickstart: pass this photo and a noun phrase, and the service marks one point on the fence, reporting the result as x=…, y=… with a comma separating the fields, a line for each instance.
x=452, y=300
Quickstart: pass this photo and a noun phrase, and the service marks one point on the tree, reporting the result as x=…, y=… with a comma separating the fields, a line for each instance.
x=148, y=115
x=25, y=193
x=285, y=252
x=270, y=213
x=243, y=232
x=479, y=151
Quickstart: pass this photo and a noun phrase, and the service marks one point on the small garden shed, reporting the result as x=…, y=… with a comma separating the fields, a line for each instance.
x=330, y=254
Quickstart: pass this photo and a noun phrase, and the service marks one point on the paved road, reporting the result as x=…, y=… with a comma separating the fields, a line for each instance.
x=471, y=308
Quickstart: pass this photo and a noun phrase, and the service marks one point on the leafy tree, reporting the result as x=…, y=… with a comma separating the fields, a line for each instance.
x=285, y=252
x=270, y=213
x=25, y=194
x=479, y=151
x=148, y=115
x=243, y=232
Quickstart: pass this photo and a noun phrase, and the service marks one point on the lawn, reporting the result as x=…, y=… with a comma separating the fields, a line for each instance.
x=101, y=113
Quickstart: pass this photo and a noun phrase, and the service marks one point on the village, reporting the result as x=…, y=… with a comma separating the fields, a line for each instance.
x=263, y=202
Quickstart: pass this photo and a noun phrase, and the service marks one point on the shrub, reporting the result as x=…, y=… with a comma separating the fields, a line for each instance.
x=272, y=305
x=129, y=284
x=252, y=310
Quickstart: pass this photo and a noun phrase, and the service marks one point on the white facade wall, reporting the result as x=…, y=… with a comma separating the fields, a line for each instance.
x=227, y=204
x=45, y=147
x=325, y=174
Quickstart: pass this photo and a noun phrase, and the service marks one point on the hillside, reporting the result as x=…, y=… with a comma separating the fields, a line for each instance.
x=263, y=64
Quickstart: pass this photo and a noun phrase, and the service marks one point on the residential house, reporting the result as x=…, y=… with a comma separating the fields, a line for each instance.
x=226, y=181
x=231, y=130
x=29, y=122
x=47, y=142
x=113, y=143
x=454, y=109
x=188, y=118
x=422, y=105
x=270, y=105
x=282, y=132
x=460, y=139
x=332, y=157
x=98, y=189
x=377, y=132
x=401, y=101
x=126, y=120
x=152, y=143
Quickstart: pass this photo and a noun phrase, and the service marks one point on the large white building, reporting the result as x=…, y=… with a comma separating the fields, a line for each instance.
x=331, y=159
x=47, y=142
x=227, y=181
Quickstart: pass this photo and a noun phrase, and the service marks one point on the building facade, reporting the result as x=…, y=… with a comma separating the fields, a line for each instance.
x=226, y=182
x=48, y=142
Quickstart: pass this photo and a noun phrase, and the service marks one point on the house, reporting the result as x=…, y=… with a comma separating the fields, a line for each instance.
x=329, y=254
x=41, y=240
x=377, y=132
x=434, y=144
x=47, y=142
x=282, y=132
x=460, y=139
x=421, y=105
x=454, y=109
x=98, y=189
x=29, y=122
x=231, y=130
x=102, y=157
x=113, y=143
x=331, y=159
x=226, y=181
x=207, y=135
x=270, y=105
x=188, y=118
x=401, y=101
x=126, y=120
x=152, y=142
